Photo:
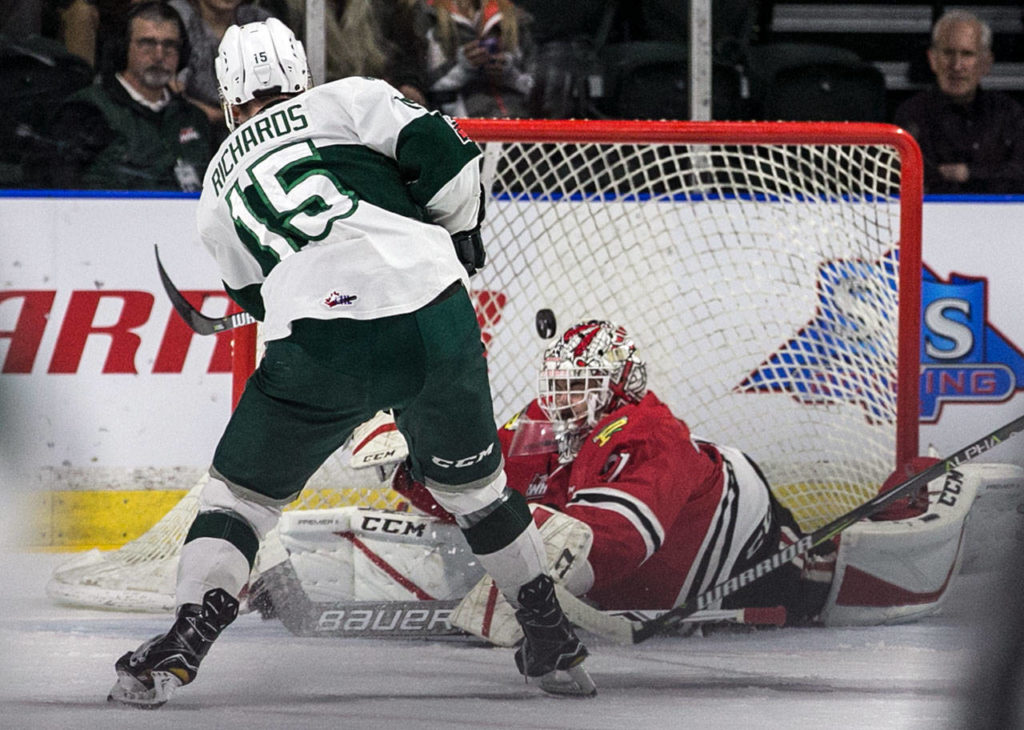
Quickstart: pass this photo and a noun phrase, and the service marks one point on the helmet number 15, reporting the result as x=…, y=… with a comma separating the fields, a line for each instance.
x=291, y=199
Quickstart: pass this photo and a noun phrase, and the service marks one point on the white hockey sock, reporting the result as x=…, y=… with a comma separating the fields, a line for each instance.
x=517, y=563
x=207, y=563
x=212, y=562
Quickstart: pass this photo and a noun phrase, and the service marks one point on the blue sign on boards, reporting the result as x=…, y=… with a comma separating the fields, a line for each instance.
x=825, y=361
x=964, y=358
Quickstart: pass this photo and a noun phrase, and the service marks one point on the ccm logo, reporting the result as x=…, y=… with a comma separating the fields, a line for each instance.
x=464, y=462
x=951, y=488
x=393, y=526
x=379, y=456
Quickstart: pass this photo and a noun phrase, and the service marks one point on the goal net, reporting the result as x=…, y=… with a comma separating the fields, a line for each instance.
x=769, y=273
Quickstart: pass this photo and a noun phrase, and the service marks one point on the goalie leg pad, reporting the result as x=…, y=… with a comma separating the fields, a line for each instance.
x=891, y=572
x=353, y=554
x=997, y=516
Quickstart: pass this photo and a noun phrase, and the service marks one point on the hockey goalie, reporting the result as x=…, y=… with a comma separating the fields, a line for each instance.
x=636, y=513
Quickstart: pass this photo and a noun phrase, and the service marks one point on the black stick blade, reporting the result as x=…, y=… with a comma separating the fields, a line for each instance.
x=200, y=323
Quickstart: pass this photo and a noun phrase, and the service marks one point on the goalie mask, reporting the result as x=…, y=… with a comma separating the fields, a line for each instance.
x=259, y=59
x=591, y=370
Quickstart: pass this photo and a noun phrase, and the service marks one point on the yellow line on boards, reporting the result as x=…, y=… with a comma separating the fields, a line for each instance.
x=62, y=521
x=104, y=519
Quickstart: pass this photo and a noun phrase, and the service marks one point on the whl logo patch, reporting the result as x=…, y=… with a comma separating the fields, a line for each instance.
x=337, y=299
x=187, y=134
x=538, y=486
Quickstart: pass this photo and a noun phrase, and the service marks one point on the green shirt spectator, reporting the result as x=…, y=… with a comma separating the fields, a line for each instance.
x=131, y=131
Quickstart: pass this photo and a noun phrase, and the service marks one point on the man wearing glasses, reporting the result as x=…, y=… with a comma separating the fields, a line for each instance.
x=130, y=131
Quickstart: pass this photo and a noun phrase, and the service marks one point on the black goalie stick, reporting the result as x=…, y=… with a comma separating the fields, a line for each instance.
x=669, y=621
x=199, y=322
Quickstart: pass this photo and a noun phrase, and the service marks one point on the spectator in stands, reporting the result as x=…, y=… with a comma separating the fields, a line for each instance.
x=478, y=53
x=377, y=38
x=972, y=139
x=131, y=131
x=205, y=22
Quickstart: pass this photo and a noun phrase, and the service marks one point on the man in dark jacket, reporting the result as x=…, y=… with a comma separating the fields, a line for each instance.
x=972, y=139
x=130, y=131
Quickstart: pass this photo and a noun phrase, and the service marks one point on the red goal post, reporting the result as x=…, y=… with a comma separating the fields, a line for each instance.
x=786, y=223
x=909, y=194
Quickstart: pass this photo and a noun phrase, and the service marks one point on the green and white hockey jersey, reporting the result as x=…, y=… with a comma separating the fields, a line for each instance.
x=340, y=202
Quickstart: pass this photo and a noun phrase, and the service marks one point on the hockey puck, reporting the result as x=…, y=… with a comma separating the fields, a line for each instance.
x=545, y=322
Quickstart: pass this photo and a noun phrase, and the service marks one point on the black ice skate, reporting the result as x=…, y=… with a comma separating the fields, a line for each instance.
x=550, y=648
x=148, y=676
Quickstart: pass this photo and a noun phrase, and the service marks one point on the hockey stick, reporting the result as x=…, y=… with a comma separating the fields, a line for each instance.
x=203, y=325
x=200, y=323
x=621, y=626
x=302, y=616
x=671, y=619
x=429, y=619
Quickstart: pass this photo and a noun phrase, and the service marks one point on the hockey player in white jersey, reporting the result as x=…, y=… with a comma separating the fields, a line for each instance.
x=347, y=219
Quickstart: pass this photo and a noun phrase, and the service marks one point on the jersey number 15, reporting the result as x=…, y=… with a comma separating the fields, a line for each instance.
x=285, y=216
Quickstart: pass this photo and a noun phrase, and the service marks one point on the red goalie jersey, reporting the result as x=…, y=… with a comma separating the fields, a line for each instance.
x=672, y=515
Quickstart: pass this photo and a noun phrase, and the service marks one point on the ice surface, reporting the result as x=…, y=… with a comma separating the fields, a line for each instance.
x=57, y=666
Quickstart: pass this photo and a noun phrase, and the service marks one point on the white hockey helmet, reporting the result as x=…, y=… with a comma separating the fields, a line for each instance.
x=259, y=59
x=589, y=371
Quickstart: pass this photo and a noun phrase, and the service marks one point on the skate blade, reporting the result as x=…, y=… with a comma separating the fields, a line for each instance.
x=572, y=682
x=130, y=692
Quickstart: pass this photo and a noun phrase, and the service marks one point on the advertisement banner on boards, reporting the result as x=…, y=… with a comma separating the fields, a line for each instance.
x=99, y=375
